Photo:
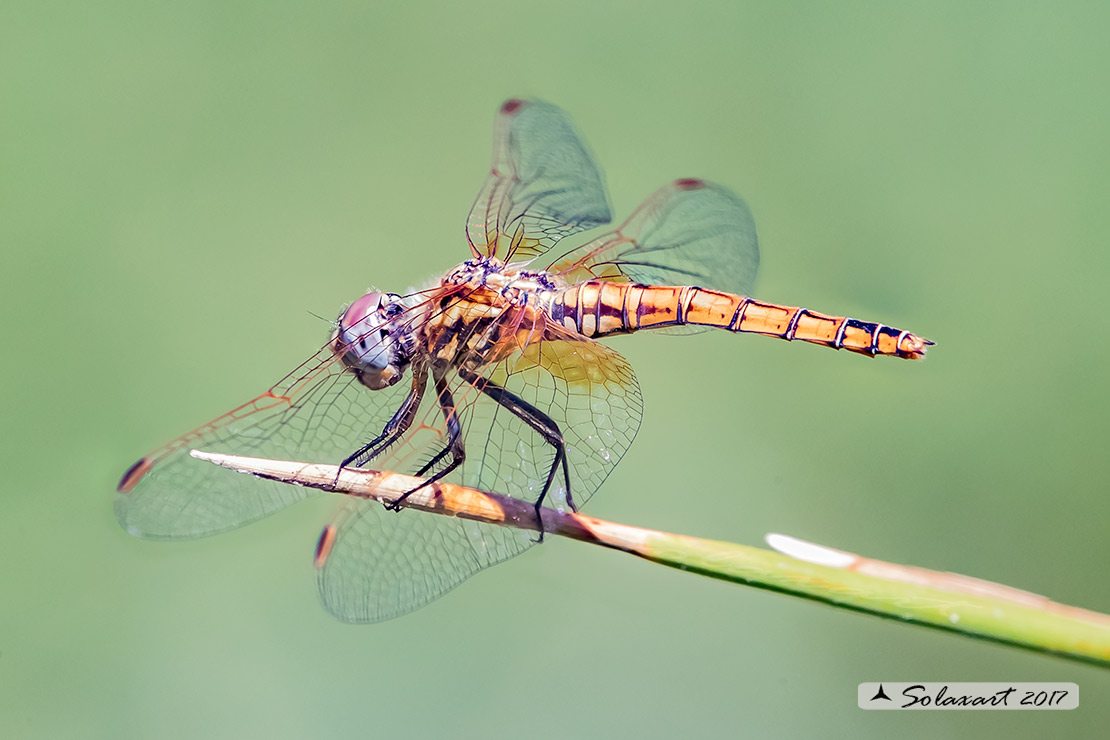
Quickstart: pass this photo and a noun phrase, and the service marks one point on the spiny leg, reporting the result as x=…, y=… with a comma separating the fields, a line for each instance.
x=454, y=445
x=543, y=425
x=395, y=428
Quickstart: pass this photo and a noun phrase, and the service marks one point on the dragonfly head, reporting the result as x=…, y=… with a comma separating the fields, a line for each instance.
x=367, y=340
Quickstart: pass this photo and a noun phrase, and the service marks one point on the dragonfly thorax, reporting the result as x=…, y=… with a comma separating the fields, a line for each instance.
x=512, y=282
x=371, y=342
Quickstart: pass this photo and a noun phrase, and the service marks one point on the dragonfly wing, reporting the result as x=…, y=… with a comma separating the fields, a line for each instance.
x=542, y=187
x=382, y=564
x=317, y=413
x=690, y=232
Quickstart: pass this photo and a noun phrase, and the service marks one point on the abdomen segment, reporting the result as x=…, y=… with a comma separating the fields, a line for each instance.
x=598, y=308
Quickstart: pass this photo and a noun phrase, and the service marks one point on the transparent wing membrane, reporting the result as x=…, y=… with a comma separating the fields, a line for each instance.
x=384, y=564
x=543, y=185
x=319, y=412
x=690, y=232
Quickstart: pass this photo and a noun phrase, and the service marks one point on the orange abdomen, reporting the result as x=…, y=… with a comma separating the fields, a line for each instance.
x=598, y=308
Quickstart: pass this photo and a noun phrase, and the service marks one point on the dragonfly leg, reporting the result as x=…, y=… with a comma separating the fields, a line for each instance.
x=454, y=446
x=543, y=425
x=394, y=428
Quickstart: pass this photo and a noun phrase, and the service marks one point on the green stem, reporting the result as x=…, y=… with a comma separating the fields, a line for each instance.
x=1064, y=631
x=944, y=601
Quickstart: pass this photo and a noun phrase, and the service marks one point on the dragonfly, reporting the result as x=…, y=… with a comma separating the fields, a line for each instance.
x=492, y=377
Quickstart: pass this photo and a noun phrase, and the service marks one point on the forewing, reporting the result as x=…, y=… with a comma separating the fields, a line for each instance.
x=380, y=565
x=542, y=187
x=317, y=413
x=690, y=232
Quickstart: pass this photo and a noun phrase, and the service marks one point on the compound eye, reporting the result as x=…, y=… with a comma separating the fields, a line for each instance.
x=361, y=316
x=360, y=327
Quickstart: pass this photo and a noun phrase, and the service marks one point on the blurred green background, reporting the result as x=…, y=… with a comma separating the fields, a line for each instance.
x=182, y=185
